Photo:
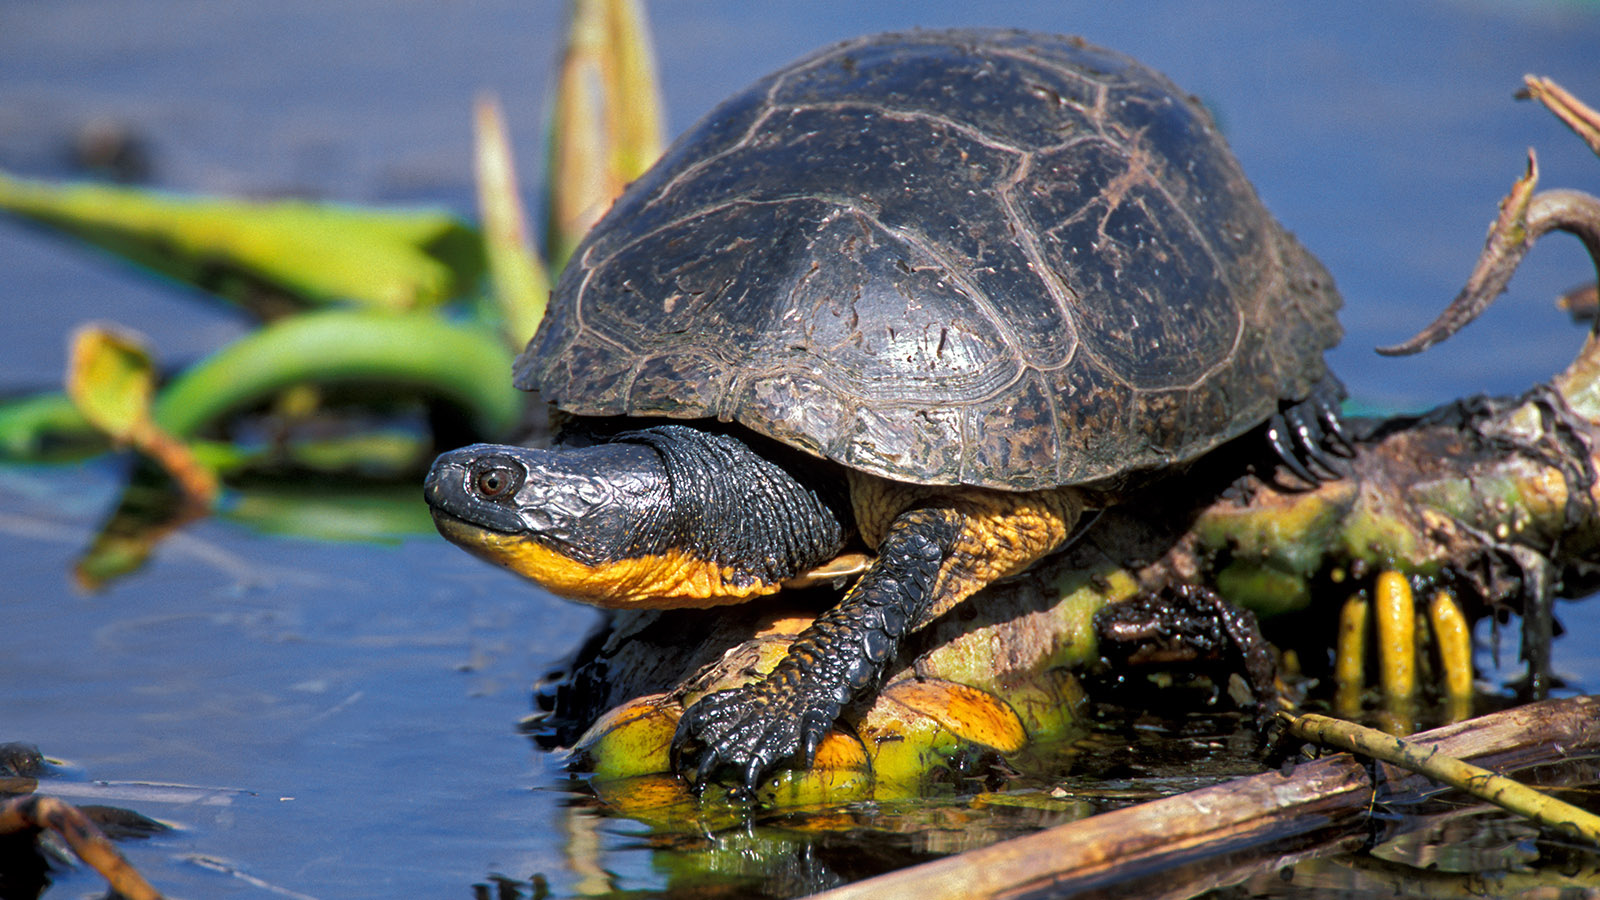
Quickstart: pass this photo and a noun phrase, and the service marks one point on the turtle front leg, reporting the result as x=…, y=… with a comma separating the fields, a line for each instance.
x=932, y=557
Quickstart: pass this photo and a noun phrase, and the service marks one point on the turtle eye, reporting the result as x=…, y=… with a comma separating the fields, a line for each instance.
x=494, y=481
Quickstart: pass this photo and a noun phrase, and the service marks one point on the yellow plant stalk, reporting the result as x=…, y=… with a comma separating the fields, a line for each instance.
x=1397, y=635
x=1453, y=634
x=606, y=128
x=1427, y=760
x=519, y=280
x=1350, y=656
x=633, y=109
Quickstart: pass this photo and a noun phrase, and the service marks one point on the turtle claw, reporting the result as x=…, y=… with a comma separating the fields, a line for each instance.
x=1283, y=446
x=1309, y=439
x=1325, y=405
x=750, y=730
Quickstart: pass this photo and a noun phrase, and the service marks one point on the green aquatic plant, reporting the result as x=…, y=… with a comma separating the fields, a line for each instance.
x=414, y=307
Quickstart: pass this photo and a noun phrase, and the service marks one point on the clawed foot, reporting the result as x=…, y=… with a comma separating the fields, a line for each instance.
x=750, y=730
x=1309, y=439
x=843, y=653
x=1188, y=623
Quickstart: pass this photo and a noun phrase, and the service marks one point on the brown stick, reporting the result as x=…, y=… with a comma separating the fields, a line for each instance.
x=37, y=812
x=1584, y=121
x=1257, y=817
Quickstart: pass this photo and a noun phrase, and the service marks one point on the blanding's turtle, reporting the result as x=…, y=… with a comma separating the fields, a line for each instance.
x=931, y=294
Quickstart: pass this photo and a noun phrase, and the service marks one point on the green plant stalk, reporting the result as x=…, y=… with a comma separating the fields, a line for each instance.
x=634, y=108
x=1427, y=760
x=38, y=425
x=605, y=124
x=519, y=280
x=579, y=179
x=467, y=365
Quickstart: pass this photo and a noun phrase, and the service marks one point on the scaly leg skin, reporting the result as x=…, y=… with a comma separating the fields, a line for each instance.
x=842, y=653
x=1189, y=623
x=931, y=557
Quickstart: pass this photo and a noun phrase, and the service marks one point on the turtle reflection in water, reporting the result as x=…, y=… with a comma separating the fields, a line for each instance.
x=931, y=295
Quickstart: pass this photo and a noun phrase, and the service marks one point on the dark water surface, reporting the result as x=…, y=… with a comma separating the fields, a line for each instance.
x=338, y=719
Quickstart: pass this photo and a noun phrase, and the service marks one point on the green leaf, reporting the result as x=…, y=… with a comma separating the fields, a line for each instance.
x=265, y=255
x=352, y=512
x=47, y=424
x=110, y=378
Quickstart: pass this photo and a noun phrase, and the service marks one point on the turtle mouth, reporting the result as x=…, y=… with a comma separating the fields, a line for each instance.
x=587, y=504
x=467, y=534
x=492, y=504
x=450, y=491
x=473, y=494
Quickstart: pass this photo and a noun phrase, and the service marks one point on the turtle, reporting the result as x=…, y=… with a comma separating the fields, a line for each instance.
x=923, y=299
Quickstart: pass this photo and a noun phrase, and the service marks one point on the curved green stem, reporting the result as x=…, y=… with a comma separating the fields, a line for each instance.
x=467, y=365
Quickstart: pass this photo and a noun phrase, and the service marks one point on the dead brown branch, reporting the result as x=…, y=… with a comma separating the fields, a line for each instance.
x=1241, y=826
x=37, y=812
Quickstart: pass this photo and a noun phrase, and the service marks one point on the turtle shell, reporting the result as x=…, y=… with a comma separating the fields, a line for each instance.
x=978, y=257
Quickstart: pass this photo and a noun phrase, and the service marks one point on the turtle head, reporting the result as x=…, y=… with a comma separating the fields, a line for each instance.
x=569, y=519
x=652, y=521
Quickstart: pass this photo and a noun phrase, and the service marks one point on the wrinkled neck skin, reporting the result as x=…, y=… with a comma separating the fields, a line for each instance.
x=728, y=504
x=658, y=517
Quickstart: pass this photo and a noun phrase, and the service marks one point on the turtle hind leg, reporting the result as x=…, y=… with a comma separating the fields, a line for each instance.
x=1308, y=436
x=1324, y=407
